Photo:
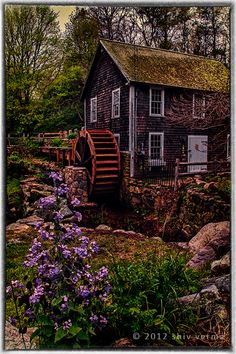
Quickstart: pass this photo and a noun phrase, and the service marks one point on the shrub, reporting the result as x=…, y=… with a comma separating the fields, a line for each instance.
x=65, y=298
x=144, y=294
x=57, y=142
x=72, y=136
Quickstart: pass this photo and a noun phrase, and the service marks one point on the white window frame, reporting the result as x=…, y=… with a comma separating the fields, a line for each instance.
x=117, y=137
x=93, y=119
x=160, y=161
x=203, y=113
x=113, y=115
x=162, y=102
x=228, y=147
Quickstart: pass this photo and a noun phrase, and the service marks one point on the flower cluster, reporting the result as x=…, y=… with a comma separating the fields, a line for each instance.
x=65, y=289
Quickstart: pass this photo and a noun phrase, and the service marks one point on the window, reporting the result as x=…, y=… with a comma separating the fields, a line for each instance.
x=199, y=106
x=93, y=109
x=228, y=147
x=117, y=136
x=116, y=103
x=156, y=148
x=156, y=107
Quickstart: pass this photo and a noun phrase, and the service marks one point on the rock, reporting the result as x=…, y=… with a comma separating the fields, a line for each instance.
x=189, y=299
x=18, y=228
x=66, y=212
x=103, y=227
x=31, y=220
x=203, y=256
x=222, y=283
x=222, y=265
x=216, y=233
x=123, y=342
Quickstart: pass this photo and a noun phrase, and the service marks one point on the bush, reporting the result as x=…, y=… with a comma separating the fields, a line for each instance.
x=143, y=292
x=72, y=136
x=57, y=142
x=14, y=193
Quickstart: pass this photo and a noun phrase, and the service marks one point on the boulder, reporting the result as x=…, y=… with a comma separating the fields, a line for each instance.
x=19, y=228
x=103, y=227
x=222, y=265
x=31, y=220
x=203, y=256
x=222, y=283
x=214, y=233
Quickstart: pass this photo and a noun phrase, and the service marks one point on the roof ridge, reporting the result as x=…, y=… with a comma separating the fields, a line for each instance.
x=159, y=49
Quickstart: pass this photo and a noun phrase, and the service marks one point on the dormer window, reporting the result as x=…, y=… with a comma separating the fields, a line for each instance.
x=199, y=106
x=116, y=103
x=156, y=102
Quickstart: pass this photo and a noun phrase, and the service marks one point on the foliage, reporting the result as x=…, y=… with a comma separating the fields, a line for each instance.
x=72, y=136
x=33, y=56
x=65, y=297
x=143, y=295
x=62, y=107
x=56, y=142
x=17, y=165
x=14, y=193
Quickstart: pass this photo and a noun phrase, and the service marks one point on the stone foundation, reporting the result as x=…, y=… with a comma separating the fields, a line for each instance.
x=77, y=181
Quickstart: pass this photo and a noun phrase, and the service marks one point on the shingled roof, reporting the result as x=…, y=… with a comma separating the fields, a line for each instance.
x=168, y=68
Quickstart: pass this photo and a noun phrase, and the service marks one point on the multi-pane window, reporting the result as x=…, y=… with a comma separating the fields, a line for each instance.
x=156, y=147
x=93, y=109
x=156, y=102
x=199, y=106
x=116, y=103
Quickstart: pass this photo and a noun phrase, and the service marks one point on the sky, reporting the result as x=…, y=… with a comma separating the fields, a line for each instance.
x=64, y=13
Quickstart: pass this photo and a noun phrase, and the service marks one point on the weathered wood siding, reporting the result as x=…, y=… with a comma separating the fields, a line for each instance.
x=104, y=79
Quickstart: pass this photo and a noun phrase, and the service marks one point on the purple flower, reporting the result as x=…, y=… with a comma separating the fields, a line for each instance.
x=102, y=273
x=65, y=251
x=29, y=313
x=36, y=245
x=56, y=176
x=56, y=326
x=94, y=247
x=12, y=321
x=61, y=190
x=38, y=292
x=81, y=252
x=9, y=290
x=75, y=202
x=17, y=284
x=84, y=240
x=78, y=215
x=94, y=318
x=64, y=306
x=67, y=325
x=44, y=234
x=47, y=202
x=83, y=291
x=57, y=216
x=54, y=271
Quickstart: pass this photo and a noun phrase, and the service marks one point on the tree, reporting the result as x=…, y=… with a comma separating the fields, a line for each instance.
x=33, y=58
x=81, y=38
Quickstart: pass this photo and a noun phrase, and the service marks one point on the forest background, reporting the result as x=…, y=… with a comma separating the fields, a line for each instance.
x=45, y=68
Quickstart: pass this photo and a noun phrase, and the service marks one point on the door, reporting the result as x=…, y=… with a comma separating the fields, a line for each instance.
x=197, y=151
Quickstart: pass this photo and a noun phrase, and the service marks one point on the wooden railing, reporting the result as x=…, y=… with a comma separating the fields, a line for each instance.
x=213, y=167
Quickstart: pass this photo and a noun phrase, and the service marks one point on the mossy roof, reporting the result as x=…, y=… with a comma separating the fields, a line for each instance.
x=168, y=68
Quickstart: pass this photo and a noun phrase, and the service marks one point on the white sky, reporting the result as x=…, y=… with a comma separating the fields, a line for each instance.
x=64, y=13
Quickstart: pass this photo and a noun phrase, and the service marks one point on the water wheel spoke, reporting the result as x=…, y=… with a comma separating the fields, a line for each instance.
x=78, y=156
x=86, y=161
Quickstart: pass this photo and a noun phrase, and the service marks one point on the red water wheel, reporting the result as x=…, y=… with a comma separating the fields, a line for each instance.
x=97, y=150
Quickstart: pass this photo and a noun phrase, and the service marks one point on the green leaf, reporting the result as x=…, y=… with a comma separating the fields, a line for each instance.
x=56, y=301
x=74, y=330
x=60, y=334
x=82, y=335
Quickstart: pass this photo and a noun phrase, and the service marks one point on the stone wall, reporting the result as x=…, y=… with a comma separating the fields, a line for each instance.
x=77, y=181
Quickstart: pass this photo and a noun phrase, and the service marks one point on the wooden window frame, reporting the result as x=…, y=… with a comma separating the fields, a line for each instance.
x=162, y=102
x=93, y=99
x=113, y=115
